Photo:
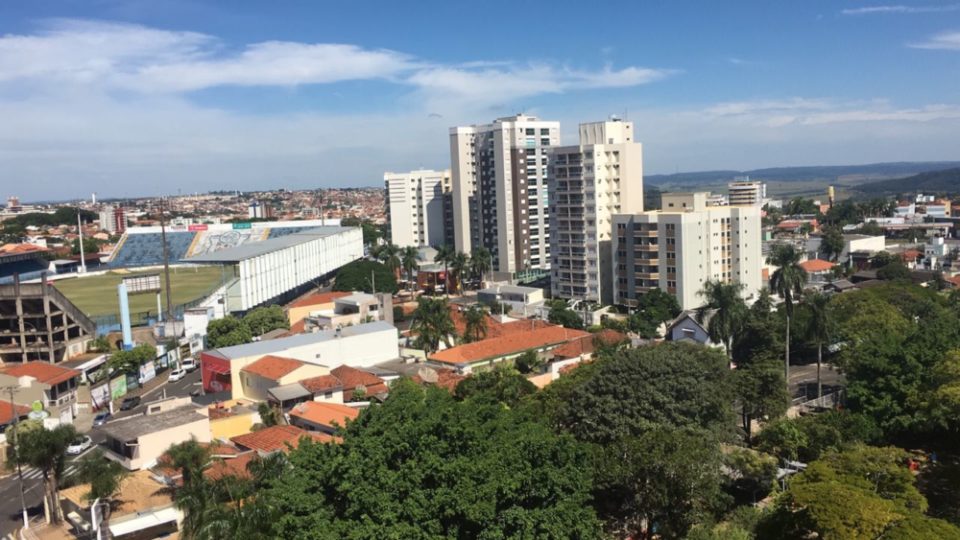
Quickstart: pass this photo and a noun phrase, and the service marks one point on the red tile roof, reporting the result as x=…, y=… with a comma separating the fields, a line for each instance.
x=495, y=328
x=587, y=345
x=322, y=383
x=817, y=265
x=273, y=367
x=44, y=372
x=511, y=343
x=910, y=255
x=447, y=379
x=353, y=378
x=318, y=299
x=234, y=466
x=324, y=414
x=6, y=411
x=16, y=249
x=275, y=438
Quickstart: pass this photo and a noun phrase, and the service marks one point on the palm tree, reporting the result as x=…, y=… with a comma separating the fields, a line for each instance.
x=432, y=323
x=459, y=264
x=445, y=255
x=409, y=259
x=729, y=312
x=389, y=255
x=45, y=449
x=104, y=476
x=475, y=318
x=819, y=327
x=482, y=261
x=787, y=280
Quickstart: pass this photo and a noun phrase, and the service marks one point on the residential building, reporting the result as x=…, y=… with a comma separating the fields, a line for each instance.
x=138, y=441
x=51, y=386
x=420, y=207
x=142, y=508
x=113, y=220
x=682, y=246
x=500, y=199
x=358, y=346
x=322, y=417
x=485, y=353
x=347, y=310
x=277, y=439
x=865, y=245
x=298, y=310
x=686, y=327
x=40, y=323
x=270, y=371
x=11, y=413
x=356, y=381
x=588, y=185
x=743, y=192
x=819, y=271
x=517, y=298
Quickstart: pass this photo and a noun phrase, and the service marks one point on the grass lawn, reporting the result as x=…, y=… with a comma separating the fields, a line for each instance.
x=97, y=295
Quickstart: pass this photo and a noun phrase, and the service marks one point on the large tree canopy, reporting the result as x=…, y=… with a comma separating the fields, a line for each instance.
x=360, y=275
x=423, y=466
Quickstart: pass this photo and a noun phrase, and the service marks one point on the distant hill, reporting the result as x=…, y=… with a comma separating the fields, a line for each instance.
x=798, y=174
x=947, y=180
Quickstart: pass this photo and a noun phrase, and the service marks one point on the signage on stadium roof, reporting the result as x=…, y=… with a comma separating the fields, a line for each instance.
x=201, y=227
x=244, y=225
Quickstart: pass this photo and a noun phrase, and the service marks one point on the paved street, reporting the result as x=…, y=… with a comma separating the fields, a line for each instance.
x=803, y=379
x=10, y=514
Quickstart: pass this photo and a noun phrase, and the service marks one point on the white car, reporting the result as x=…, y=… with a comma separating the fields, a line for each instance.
x=177, y=374
x=79, y=445
x=188, y=365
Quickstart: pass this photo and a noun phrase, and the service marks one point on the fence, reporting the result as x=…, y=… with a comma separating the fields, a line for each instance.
x=111, y=323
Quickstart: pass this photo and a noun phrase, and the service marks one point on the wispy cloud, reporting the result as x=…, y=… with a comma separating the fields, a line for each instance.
x=809, y=112
x=875, y=10
x=945, y=40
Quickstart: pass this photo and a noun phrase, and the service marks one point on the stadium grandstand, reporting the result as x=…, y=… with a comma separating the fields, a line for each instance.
x=143, y=246
x=27, y=260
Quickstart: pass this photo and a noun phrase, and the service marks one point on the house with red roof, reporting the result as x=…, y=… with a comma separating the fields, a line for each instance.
x=818, y=270
x=277, y=439
x=271, y=371
x=298, y=310
x=52, y=386
x=521, y=336
x=10, y=413
x=316, y=416
x=354, y=381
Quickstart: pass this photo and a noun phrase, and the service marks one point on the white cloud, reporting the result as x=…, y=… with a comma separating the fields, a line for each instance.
x=945, y=40
x=805, y=111
x=872, y=10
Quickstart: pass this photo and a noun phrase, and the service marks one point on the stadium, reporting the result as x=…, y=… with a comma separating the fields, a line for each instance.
x=228, y=267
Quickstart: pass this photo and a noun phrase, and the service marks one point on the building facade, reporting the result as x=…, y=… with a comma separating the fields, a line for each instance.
x=589, y=184
x=113, y=220
x=743, y=192
x=684, y=245
x=500, y=198
x=420, y=207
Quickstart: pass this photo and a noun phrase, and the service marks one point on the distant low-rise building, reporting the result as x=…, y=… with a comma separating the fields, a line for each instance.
x=49, y=388
x=486, y=353
x=322, y=417
x=518, y=298
x=136, y=442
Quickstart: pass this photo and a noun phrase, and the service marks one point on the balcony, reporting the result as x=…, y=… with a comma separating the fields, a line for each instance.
x=646, y=275
x=644, y=233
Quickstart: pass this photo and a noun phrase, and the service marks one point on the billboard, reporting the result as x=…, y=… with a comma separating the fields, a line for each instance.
x=118, y=387
x=244, y=225
x=201, y=227
x=100, y=396
x=142, y=284
x=147, y=372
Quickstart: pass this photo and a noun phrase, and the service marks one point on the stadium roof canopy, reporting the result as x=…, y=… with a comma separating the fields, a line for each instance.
x=256, y=249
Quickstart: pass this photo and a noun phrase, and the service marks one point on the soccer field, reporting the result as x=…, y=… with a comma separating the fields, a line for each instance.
x=97, y=295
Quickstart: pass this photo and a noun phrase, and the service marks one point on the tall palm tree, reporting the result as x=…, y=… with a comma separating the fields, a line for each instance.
x=459, y=264
x=819, y=327
x=190, y=458
x=475, y=318
x=729, y=312
x=389, y=255
x=105, y=478
x=432, y=323
x=409, y=257
x=787, y=281
x=45, y=449
x=482, y=262
x=445, y=255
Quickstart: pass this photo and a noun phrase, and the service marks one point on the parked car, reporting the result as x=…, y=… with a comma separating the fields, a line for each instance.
x=177, y=374
x=130, y=403
x=188, y=365
x=102, y=418
x=79, y=445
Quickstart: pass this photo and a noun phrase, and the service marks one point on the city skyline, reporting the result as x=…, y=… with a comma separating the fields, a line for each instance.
x=191, y=97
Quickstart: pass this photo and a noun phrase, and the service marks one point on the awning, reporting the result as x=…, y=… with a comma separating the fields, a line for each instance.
x=142, y=521
x=289, y=392
x=213, y=366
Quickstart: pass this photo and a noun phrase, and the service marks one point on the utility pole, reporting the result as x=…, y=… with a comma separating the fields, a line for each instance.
x=83, y=259
x=16, y=422
x=166, y=261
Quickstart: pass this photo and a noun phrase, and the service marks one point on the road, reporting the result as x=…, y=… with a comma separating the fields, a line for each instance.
x=803, y=379
x=10, y=511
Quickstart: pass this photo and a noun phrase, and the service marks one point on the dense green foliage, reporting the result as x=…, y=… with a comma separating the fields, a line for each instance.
x=947, y=180
x=227, y=332
x=561, y=314
x=357, y=276
x=66, y=215
x=432, y=324
x=266, y=319
x=45, y=450
x=131, y=360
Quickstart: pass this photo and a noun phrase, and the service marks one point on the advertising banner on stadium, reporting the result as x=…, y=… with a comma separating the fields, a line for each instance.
x=245, y=225
x=118, y=387
x=100, y=396
x=192, y=228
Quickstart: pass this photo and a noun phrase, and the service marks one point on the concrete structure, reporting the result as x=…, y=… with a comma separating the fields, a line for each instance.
x=276, y=269
x=743, y=192
x=500, y=198
x=520, y=299
x=53, y=387
x=683, y=245
x=298, y=310
x=113, y=220
x=588, y=184
x=37, y=322
x=231, y=418
x=862, y=243
x=420, y=207
x=137, y=442
x=348, y=310
x=358, y=346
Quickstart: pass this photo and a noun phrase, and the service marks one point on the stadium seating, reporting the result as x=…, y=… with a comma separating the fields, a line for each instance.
x=28, y=269
x=147, y=249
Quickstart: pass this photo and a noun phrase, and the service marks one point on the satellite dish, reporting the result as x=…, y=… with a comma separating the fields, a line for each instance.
x=428, y=375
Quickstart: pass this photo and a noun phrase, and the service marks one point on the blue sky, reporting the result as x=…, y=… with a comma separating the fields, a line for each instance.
x=137, y=98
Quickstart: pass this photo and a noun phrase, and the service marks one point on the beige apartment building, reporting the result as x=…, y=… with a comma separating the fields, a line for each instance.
x=588, y=185
x=500, y=198
x=683, y=245
x=743, y=192
x=420, y=207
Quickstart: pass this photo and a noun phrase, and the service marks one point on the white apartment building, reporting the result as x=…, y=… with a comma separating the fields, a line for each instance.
x=743, y=192
x=420, y=206
x=500, y=198
x=588, y=184
x=682, y=246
